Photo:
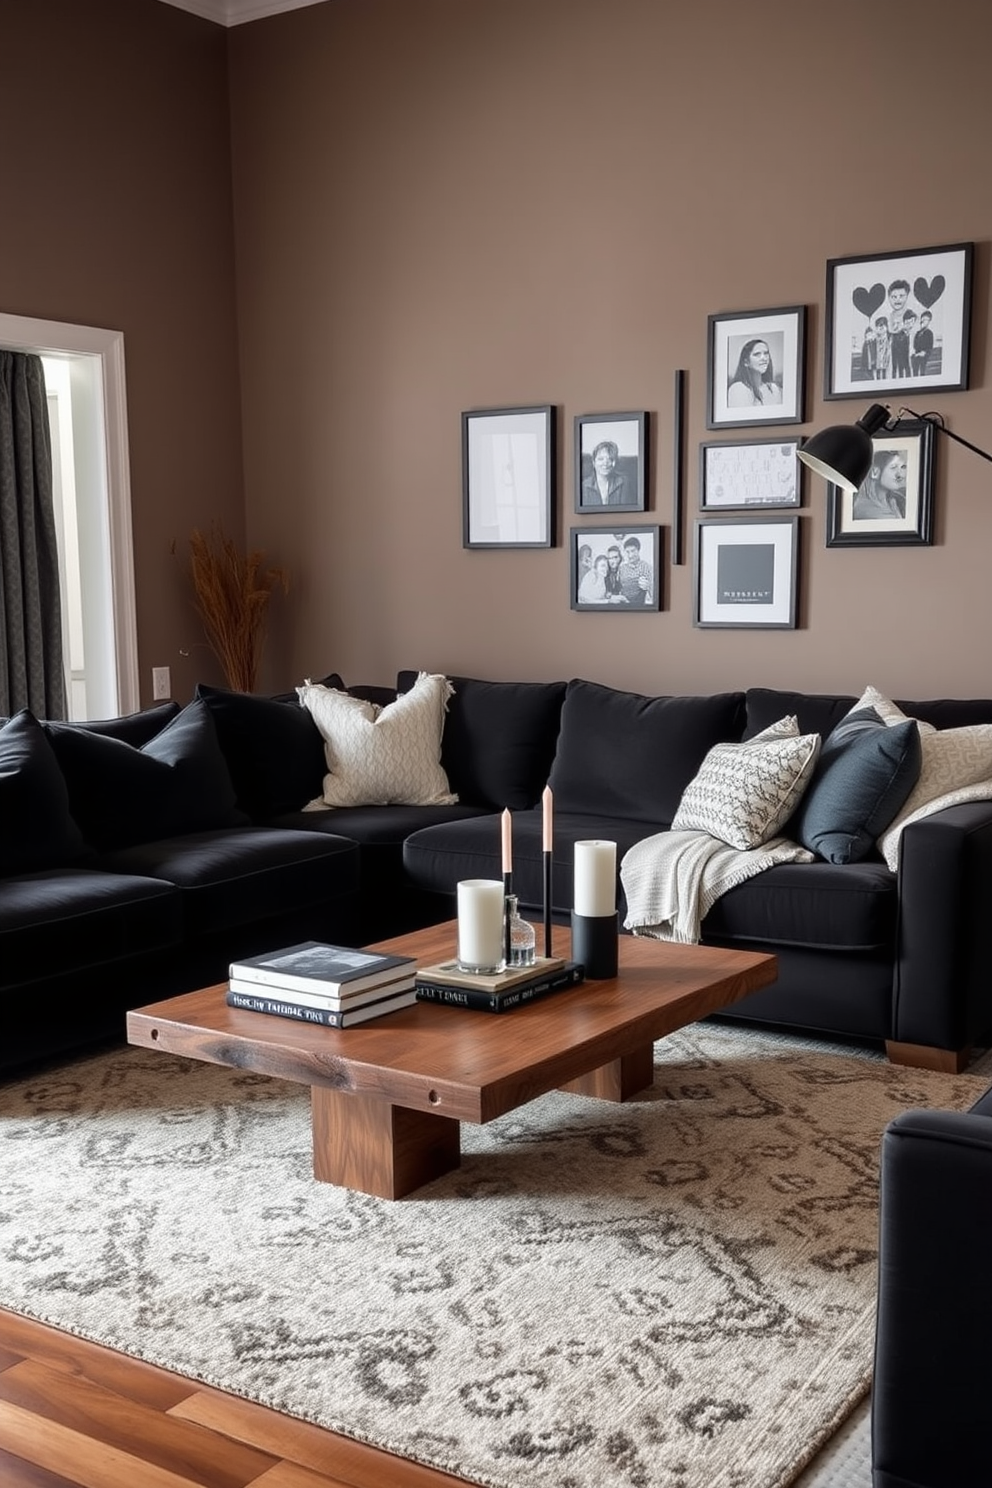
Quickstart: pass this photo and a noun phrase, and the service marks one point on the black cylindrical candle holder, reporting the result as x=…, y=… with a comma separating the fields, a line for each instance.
x=595, y=944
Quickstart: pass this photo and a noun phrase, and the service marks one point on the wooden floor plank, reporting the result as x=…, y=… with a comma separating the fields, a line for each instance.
x=352, y=1462
x=53, y=1434
x=16, y=1473
x=140, y=1382
x=176, y=1446
x=84, y=1461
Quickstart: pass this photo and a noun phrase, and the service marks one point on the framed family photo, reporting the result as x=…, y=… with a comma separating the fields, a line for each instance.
x=745, y=573
x=898, y=321
x=754, y=367
x=610, y=461
x=893, y=506
x=616, y=571
x=750, y=473
x=508, y=477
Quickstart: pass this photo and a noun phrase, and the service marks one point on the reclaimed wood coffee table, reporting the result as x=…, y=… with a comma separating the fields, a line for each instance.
x=388, y=1096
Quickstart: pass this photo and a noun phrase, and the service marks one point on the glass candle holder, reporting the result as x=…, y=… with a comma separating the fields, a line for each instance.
x=480, y=926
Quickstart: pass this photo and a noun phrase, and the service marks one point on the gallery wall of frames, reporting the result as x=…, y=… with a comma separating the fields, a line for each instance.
x=896, y=324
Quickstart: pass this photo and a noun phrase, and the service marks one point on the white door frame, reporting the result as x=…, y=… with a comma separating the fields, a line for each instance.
x=51, y=337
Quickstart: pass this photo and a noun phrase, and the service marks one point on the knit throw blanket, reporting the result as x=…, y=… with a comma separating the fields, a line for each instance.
x=673, y=879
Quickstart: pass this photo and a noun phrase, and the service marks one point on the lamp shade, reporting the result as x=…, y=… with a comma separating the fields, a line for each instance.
x=843, y=452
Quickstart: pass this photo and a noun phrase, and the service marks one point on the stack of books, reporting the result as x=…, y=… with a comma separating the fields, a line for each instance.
x=500, y=992
x=318, y=983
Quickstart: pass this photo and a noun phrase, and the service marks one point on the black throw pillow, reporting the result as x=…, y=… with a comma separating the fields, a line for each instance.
x=272, y=746
x=176, y=783
x=36, y=828
x=499, y=739
x=622, y=754
x=863, y=777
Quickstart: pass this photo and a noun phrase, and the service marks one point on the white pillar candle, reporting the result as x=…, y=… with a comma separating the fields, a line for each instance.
x=595, y=878
x=480, y=924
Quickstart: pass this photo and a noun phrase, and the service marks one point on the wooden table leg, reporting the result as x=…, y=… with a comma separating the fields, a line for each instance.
x=620, y=1079
x=378, y=1148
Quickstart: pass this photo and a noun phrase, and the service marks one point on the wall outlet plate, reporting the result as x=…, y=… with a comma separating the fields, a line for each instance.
x=161, y=683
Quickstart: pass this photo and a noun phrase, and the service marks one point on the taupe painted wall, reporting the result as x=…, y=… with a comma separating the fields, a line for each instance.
x=448, y=204
x=116, y=191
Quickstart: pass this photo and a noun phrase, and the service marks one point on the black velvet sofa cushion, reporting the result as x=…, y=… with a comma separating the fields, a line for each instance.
x=237, y=876
x=272, y=746
x=437, y=857
x=823, y=906
x=133, y=728
x=499, y=739
x=624, y=755
x=121, y=795
x=820, y=713
x=78, y=920
x=36, y=828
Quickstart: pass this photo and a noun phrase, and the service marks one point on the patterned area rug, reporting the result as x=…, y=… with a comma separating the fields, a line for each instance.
x=673, y=1293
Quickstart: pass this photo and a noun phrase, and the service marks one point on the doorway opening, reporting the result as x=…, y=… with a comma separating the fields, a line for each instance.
x=84, y=377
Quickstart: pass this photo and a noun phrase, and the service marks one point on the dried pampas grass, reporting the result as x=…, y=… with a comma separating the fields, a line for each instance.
x=232, y=592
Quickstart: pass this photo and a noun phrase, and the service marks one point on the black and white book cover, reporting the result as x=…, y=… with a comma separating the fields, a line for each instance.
x=314, y=964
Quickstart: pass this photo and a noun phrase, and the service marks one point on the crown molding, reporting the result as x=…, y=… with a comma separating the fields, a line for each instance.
x=237, y=12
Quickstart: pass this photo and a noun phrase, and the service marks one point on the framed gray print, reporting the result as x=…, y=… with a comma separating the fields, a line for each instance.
x=893, y=506
x=898, y=321
x=610, y=461
x=616, y=570
x=750, y=473
x=755, y=363
x=745, y=573
x=508, y=477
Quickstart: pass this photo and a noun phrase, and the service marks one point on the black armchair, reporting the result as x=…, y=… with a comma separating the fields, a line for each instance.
x=932, y=1395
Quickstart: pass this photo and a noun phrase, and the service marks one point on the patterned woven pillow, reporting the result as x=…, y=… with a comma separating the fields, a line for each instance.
x=744, y=792
x=956, y=767
x=380, y=756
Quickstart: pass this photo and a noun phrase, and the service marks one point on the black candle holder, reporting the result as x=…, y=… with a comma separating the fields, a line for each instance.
x=595, y=943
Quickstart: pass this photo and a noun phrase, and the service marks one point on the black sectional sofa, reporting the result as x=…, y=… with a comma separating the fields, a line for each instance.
x=174, y=839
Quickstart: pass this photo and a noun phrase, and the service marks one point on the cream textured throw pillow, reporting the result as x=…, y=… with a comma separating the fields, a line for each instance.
x=745, y=792
x=957, y=767
x=382, y=756
x=887, y=710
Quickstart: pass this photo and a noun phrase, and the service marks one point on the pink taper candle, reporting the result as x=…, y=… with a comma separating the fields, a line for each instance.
x=547, y=818
x=506, y=828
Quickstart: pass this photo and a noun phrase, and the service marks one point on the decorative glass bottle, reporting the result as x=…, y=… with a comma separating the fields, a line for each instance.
x=522, y=938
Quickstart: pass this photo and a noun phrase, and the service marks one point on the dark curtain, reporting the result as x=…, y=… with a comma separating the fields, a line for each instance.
x=31, y=669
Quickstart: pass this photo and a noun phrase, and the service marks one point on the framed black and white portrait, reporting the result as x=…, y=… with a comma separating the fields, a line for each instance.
x=893, y=506
x=755, y=363
x=610, y=462
x=616, y=571
x=749, y=473
x=508, y=477
x=898, y=321
x=745, y=573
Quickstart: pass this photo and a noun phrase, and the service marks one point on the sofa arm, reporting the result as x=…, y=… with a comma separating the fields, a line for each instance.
x=942, y=993
x=933, y=1369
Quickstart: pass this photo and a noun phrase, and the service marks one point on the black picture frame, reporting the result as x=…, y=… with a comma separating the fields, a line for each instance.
x=599, y=541
x=936, y=283
x=862, y=520
x=745, y=574
x=740, y=394
x=750, y=474
x=509, y=477
x=624, y=439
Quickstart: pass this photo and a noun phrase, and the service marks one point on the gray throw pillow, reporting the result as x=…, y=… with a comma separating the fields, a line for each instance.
x=864, y=775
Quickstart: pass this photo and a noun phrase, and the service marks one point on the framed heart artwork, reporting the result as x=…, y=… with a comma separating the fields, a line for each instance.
x=898, y=321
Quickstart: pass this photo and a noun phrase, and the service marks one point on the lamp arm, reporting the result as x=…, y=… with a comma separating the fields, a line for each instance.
x=938, y=422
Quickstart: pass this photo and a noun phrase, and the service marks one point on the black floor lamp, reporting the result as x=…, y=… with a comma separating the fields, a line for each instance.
x=842, y=453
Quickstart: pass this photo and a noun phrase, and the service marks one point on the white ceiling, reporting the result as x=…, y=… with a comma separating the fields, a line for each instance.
x=236, y=12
